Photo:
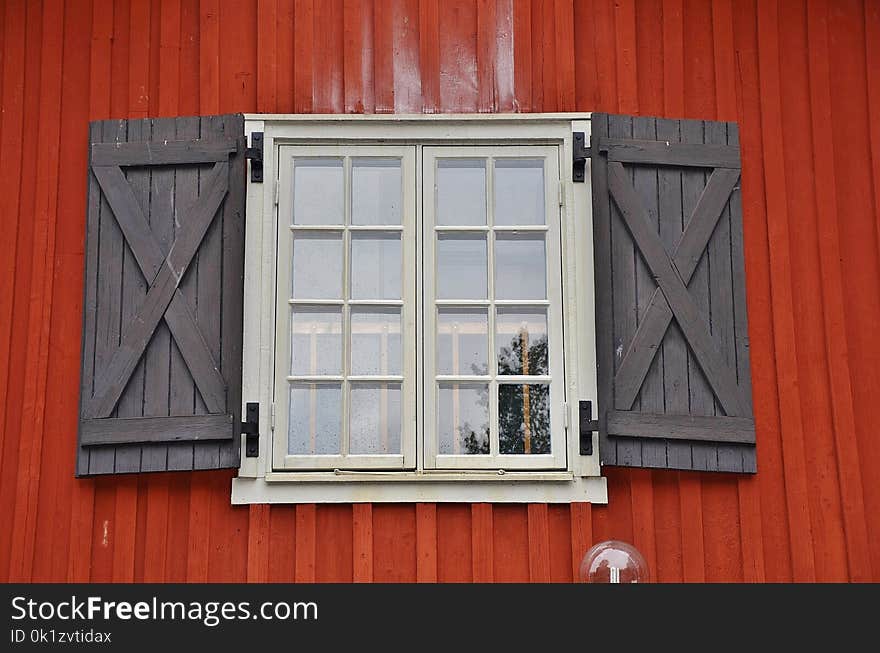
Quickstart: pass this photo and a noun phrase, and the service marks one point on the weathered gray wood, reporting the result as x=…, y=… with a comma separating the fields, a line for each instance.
x=692, y=324
x=181, y=382
x=134, y=289
x=701, y=400
x=673, y=346
x=652, y=328
x=90, y=293
x=109, y=300
x=680, y=226
x=150, y=257
x=155, y=430
x=708, y=428
x=117, y=298
x=650, y=396
x=233, y=282
x=672, y=154
x=156, y=153
x=603, y=289
x=110, y=384
x=623, y=260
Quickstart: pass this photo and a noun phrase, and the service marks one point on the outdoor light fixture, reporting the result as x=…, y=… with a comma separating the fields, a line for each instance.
x=614, y=561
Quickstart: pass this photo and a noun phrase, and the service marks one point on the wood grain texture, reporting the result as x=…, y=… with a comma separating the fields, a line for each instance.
x=800, y=78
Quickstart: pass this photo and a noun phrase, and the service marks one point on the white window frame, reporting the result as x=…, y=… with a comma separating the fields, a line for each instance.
x=579, y=480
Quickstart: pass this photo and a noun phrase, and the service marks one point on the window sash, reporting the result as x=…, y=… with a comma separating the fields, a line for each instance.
x=433, y=459
x=285, y=303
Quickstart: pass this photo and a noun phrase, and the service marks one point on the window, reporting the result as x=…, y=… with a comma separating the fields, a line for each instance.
x=413, y=345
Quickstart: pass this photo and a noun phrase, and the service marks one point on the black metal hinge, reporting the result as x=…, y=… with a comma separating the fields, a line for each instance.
x=579, y=156
x=255, y=154
x=586, y=426
x=250, y=428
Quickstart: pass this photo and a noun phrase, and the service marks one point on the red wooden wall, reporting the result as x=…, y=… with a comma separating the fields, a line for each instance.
x=801, y=76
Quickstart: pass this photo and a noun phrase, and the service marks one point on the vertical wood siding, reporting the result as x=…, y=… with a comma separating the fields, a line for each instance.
x=801, y=76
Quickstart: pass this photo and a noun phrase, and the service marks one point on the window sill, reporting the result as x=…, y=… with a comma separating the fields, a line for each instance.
x=427, y=487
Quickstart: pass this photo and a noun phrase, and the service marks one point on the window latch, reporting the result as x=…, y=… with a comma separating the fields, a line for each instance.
x=250, y=429
x=255, y=154
x=587, y=426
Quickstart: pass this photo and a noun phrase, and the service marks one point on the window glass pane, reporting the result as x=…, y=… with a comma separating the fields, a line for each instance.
x=524, y=418
x=375, y=341
x=461, y=266
x=520, y=266
x=375, y=266
x=375, y=418
x=521, y=341
x=519, y=191
x=315, y=419
x=317, y=266
x=462, y=341
x=376, y=195
x=317, y=341
x=318, y=191
x=461, y=191
x=463, y=418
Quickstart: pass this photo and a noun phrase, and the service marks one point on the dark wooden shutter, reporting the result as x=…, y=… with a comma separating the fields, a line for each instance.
x=674, y=383
x=161, y=356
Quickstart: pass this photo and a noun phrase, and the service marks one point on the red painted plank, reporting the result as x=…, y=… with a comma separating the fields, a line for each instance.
x=327, y=92
x=486, y=60
x=505, y=88
x=284, y=73
x=522, y=55
x=857, y=187
x=581, y=536
x=125, y=528
x=454, y=543
x=407, y=83
x=642, y=496
x=362, y=534
x=481, y=542
x=563, y=16
x=692, y=548
x=539, y=543
x=282, y=561
x=267, y=48
x=357, y=26
x=794, y=464
x=394, y=543
x=667, y=528
x=627, y=74
x=24, y=519
x=426, y=542
x=458, y=56
x=549, y=81
x=258, y=543
x=562, y=542
x=829, y=543
x=839, y=384
x=429, y=54
x=304, y=570
x=649, y=56
x=333, y=544
x=511, y=545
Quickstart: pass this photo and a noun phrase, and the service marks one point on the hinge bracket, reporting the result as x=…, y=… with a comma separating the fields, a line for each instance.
x=255, y=154
x=250, y=428
x=580, y=154
x=587, y=426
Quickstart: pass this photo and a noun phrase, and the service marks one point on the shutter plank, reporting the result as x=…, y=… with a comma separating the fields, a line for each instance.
x=158, y=354
x=160, y=431
x=673, y=346
x=623, y=257
x=233, y=285
x=693, y=181
x=605, y=354
x=156, y=152
x=182, y=385
x=134, y=289
x=109, y=296
x=653, y=152
x=650, y=397
x=721, y=296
